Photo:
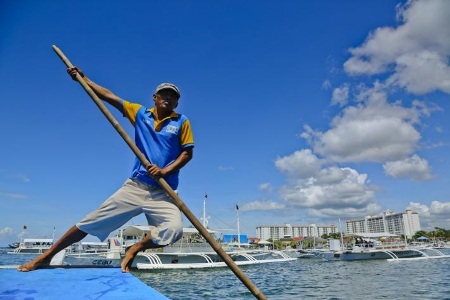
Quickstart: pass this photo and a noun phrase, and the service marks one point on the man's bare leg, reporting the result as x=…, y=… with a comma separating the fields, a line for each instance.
x=142, y=245
x=73, y=235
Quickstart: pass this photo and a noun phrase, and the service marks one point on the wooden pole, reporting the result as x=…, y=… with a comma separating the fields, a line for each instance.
x=177, y=200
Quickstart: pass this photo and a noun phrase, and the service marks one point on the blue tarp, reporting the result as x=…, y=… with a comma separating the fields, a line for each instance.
x=233, y=238
x=76, y=283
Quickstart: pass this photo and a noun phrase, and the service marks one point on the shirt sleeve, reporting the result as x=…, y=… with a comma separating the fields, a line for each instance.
x=186, y=137
x=130, y=110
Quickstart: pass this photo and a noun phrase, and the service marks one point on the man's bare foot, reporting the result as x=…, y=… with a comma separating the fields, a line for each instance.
x=126, y=262
x=33, y=265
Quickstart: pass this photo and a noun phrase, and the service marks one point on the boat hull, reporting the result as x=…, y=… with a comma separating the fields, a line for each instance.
x=369, y=255
x=160, y=260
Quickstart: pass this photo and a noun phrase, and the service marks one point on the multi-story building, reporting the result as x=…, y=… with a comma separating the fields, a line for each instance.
x=405, y=223
x=277, y=232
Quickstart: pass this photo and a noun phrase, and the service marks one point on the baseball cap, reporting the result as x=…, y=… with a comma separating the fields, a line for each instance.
x=168, y=86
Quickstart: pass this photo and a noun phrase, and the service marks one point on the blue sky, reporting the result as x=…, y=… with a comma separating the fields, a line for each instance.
x=303, y=111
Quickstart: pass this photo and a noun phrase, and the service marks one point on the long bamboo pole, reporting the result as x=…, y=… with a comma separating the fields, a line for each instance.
x=177, y=200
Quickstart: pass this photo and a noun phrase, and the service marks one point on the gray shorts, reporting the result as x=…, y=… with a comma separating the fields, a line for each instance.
x=132, y=199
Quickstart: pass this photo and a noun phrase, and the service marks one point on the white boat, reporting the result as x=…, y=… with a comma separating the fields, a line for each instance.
x=32, y=246
x=429, y=245
x=369, y=246
x=90, y=247
x=193, y=252
x=198, y=260
x=190, y=252
x=14, y=245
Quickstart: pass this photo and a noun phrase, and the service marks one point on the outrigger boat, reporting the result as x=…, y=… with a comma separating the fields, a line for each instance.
x=369, y=246
x=191, y=252
x=32, y=246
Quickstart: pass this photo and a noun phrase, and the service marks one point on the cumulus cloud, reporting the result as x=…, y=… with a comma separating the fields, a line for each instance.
x=331, y=188
x=373, y=126
x=373, y=130
x=302, y=163
x=326, y=190
x=415, y=52
x=437, y=214
x=413, y=167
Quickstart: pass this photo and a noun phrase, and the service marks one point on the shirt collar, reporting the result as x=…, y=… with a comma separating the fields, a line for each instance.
x=172, y=115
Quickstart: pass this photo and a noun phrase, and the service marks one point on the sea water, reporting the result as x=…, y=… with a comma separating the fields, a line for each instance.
x=302, y=279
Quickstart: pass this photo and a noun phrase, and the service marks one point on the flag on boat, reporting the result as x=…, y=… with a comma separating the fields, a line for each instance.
x=206, y=195
x=237, y=207
x=25, y=227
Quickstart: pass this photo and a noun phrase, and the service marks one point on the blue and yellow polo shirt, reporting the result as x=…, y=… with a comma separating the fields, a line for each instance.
x=160, y=141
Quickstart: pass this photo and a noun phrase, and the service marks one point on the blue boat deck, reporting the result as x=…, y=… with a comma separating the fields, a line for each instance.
x=74, y=283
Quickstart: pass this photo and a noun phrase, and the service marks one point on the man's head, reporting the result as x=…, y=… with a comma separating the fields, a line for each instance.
x=168, y=86
x=166, y=96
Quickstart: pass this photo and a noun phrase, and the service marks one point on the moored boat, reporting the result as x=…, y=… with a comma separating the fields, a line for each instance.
x=369, y=246
x=14, y=245
x=191, y=251
x=30, y=246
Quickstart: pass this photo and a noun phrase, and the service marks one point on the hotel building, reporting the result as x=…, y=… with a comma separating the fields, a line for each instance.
x=405, y=223
x=277, y=232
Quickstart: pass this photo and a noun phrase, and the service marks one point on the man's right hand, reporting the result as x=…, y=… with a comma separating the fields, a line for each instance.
x=73, y=72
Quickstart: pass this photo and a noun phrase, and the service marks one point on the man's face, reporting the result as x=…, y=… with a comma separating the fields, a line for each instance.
x=166, y=99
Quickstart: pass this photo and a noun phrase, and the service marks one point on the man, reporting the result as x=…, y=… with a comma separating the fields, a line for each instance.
x=166, y=139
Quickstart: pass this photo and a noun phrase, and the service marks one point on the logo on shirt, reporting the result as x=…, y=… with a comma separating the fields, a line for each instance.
x=172, y=129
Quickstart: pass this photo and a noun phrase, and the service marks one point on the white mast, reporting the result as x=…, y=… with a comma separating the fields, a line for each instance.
x=238, y=227
x=205, y=221
x=341, y=231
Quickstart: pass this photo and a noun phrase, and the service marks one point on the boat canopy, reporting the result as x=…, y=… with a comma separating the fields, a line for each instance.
x=372, y=234
x=140, y=230
x=38, y=240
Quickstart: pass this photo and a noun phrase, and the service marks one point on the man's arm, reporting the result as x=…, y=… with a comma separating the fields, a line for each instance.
x=103, y=93
x=184, y=157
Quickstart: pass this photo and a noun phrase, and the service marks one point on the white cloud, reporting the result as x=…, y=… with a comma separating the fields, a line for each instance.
x=23, y=178
x=332, y=187
x=423, y=72
x=6, y=232
x=261, y=205
x=371, y=131
x=348, y=212
x=326, y=85
x=413, y=167
x=416, y=51
x=302, y=163
x=373, y=127
x=437, y=214
x=340, y=95
x=324, y=190
x=12, y=196
x=265, y=187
